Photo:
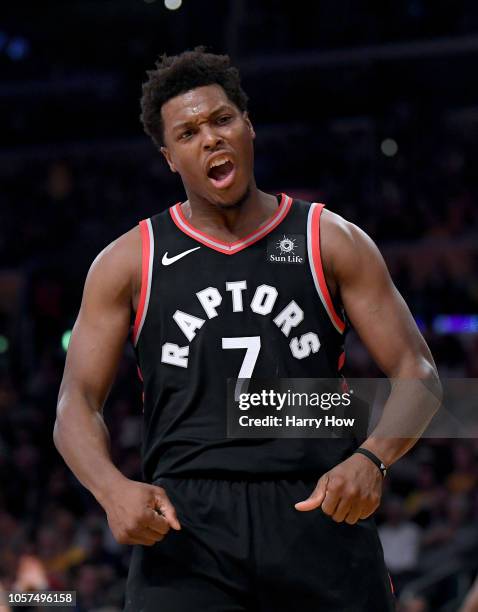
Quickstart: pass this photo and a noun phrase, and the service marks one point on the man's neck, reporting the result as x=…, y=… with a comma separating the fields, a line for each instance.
x=233, y=222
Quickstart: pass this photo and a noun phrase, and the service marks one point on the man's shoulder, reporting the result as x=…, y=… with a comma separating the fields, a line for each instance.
x=337, y=225
x=337, y=234
x=119, y=263
x=344, y=246
x=122, y=249
x=331, y=223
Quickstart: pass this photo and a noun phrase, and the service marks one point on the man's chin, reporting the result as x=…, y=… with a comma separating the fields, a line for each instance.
x=233, y=201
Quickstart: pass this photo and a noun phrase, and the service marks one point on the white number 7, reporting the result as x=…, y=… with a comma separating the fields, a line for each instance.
x=252, y=344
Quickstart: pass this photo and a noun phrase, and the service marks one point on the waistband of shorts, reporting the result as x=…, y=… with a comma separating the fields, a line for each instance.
x=222, y=475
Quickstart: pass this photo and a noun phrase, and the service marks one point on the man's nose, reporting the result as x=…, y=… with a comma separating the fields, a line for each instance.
x=211, y=139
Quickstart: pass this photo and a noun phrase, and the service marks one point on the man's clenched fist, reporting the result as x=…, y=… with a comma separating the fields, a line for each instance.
x=139, y=513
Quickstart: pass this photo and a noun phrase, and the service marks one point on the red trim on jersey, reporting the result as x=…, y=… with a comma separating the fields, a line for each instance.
x=317, y=261
x=229, y=248
x=341, y=361
x=344, y=386
x=145, y=254
x=391, y=584
x=140, y=376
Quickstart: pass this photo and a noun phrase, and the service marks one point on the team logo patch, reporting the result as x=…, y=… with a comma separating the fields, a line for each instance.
x=286, y=248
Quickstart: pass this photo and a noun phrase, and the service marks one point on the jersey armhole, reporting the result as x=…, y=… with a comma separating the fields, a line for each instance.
x=316, y=267
x=147, y=257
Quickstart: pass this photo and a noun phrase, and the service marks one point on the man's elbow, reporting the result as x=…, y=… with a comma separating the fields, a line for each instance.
x=58, y=428
x=427, y=371
x=423, y=370
x=56, y=435
x=415, y=366
x=431, y=379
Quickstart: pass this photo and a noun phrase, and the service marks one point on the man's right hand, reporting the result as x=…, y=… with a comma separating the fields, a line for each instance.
x=139, y=513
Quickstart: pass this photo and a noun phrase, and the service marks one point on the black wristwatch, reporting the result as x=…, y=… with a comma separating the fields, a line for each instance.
x=380, y=464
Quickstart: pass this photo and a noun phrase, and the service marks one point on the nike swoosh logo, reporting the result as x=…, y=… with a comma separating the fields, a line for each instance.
x=167, y=261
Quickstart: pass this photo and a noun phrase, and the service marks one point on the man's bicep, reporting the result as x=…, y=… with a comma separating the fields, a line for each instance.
x=100, y=331
x=374, y=306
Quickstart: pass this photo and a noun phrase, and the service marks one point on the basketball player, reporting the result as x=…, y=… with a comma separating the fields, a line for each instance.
x=225, y=524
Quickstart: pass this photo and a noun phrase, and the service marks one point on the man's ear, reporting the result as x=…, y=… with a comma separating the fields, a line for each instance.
x=167, y=155
x=249, y=124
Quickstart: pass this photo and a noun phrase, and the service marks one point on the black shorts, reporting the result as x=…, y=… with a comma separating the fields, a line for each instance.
x=244, y=547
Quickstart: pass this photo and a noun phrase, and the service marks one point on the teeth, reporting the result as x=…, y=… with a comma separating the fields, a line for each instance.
x=219, y=161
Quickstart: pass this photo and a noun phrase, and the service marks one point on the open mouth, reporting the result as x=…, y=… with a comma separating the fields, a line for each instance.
x=221, y=173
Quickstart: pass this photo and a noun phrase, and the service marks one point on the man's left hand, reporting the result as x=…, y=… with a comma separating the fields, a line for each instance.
x=348, y=492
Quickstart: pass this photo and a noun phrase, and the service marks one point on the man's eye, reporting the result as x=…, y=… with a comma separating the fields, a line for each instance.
x=224, y=119
x=185, y=135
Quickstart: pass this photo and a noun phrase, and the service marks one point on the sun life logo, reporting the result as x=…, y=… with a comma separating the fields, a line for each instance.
x=288, y=250
x=286, y=245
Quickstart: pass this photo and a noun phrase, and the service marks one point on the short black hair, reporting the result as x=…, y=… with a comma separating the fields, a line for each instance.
x=177, y=74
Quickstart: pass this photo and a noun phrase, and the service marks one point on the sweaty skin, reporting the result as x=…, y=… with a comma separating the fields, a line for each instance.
x=197, y=125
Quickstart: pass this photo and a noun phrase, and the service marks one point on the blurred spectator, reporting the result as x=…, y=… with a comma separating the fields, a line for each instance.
x=401, y=542
x=464, y=477
x=450, y=536
x=426, y=497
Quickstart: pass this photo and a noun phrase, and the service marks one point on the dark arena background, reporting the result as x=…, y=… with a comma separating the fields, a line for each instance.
x=370, y=107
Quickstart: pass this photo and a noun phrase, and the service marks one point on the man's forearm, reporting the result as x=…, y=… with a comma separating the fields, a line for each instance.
x=414, y=399
x=389, y=450
x=82, y=438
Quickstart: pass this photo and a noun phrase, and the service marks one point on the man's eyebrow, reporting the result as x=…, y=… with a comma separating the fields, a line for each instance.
x=191, y=122
x=221, y=108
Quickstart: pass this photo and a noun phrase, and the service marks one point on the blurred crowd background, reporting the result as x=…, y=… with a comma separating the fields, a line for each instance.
x=370, y=107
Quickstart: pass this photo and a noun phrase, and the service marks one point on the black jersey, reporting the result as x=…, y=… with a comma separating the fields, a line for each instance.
x=209, y=311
